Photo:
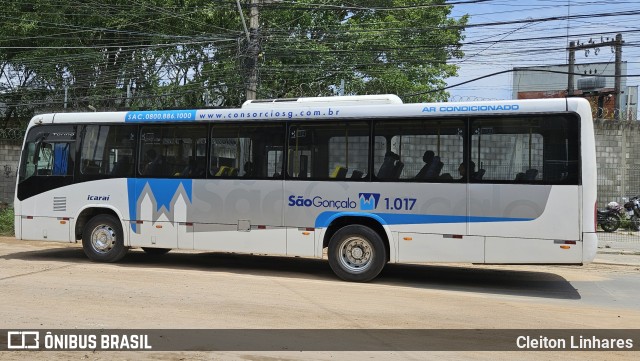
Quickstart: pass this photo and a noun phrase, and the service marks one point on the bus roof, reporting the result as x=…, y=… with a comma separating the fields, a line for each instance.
x=352, y=107
x=326, y=101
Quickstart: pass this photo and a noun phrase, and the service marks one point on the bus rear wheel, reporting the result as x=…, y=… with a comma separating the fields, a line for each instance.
x=102, y=239
x=357, y=253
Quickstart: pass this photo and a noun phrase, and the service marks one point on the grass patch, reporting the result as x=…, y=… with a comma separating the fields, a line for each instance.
x=6, y=222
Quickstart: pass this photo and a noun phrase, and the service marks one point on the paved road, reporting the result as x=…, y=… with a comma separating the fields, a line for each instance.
x=52, y=285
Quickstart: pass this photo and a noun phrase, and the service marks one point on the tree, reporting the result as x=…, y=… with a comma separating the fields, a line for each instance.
x=117, y=54
x=373, y=46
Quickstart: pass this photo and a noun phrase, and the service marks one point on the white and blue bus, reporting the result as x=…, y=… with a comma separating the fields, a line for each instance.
x=368, y=178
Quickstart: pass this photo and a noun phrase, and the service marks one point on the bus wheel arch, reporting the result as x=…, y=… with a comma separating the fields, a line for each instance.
x=358, y=248
x=87, y=214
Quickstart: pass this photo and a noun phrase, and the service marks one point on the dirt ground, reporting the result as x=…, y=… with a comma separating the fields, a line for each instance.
x=53, y=286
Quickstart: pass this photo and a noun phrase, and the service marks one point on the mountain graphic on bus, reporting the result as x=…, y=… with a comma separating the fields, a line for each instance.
x=156, y=199
x=369, y=201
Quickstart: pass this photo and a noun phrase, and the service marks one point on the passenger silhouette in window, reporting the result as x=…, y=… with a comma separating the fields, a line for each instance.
x=466, y=168
x=154, y=163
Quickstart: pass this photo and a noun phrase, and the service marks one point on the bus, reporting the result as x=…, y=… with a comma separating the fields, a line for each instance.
x=359, y=180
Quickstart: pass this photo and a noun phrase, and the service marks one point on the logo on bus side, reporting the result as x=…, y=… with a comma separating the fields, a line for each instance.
x=369, y=201
x=319, y=202
x=98, y=198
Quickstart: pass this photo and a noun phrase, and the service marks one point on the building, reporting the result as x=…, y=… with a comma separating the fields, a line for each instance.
x=596, y=84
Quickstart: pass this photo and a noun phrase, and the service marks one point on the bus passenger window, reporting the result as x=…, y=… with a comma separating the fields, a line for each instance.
x=246, y=151
x=418, y=150
x=506, y=149
x=328, y=151
x=172, y=151
x=107, y=151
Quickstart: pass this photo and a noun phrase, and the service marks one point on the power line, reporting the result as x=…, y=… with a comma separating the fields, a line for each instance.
x=510, y=71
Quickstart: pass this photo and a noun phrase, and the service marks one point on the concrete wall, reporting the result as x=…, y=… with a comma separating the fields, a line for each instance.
x=9, y=158
x=618, y=158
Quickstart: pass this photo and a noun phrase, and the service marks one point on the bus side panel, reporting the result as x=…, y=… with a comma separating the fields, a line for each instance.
x=156, y=205
x=589, y=177
x=46, y=217
x=411, y=208
x=301, y=242
x=227, y=238
x=238, y=215
x=46, y=229
x=17, y=211
x=17, y=204
x=17, y=225
x=540, y=239
x=52, y=215
x=589, y=246
x=523, y=250
x=417, y=247
x=525, y=211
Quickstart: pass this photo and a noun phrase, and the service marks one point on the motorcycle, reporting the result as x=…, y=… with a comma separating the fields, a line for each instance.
x=632, y=208
x=609, y=218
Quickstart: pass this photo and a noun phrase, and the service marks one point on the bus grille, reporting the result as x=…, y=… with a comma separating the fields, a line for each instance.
x=59, y=204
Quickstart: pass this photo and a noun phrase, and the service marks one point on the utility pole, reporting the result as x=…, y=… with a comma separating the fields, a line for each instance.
x=572, y=64
x=616, y=46
x=618, y=72
x=253, y=49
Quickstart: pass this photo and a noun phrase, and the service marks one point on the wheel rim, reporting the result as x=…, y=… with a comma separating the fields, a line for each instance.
x=103, y=238
x=355, y=254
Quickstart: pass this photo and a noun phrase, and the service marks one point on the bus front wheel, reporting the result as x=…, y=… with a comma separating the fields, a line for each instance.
x=356, y=253
x=102, y=239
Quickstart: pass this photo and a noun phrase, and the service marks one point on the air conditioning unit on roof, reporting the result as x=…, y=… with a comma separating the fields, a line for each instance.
x=326, y=101
x=591, y=83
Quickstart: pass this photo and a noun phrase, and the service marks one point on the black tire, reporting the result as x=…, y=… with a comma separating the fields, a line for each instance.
x=102, y=239
x=156, y=251
x=357, y=253
x=610, y=223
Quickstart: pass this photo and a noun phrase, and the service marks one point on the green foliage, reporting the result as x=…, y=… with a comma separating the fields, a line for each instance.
x=401, y=51
x=6, y=222
x=118, y=54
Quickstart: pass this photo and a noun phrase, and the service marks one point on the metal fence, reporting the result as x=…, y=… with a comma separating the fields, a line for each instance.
x=12, y=134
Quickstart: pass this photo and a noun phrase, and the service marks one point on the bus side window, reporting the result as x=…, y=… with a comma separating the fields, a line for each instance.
x=44, y=163
x=29, y=167
x=328, y=151
x=507, y=149
x=54, y=159
x=246, y=151
x=107, y=151
x=418, y=150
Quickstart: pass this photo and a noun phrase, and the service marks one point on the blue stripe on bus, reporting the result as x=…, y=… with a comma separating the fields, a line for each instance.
x=324, y=219
x=161, y=116
x=133, y=202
